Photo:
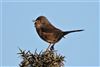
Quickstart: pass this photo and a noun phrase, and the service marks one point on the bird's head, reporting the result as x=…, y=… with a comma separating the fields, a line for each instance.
x=41, y=21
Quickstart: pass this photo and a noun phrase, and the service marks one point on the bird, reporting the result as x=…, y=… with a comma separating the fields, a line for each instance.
x=49, y=32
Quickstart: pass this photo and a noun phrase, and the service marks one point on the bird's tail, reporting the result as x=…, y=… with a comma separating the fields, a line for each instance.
x=67, y=32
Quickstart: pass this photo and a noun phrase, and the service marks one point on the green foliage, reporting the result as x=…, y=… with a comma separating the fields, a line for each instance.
x=48, y=58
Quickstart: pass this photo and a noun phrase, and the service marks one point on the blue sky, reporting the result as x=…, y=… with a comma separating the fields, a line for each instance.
x=50, y=0
x=80, y=49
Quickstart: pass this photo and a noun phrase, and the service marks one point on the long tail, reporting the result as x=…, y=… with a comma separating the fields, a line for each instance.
x=67, y=32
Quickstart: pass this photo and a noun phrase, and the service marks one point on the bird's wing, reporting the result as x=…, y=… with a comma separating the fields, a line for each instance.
x=49, y=29
x=46, y=29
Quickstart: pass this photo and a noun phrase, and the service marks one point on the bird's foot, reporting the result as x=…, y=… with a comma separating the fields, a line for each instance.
x=52, y=48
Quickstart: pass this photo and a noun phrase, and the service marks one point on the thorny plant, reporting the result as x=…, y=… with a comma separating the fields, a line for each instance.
x=47, y=58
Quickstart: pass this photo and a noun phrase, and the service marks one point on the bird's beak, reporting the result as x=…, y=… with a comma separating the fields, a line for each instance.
x=33, y=20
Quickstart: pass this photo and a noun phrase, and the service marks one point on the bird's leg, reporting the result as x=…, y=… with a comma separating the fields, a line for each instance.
x=48, y=47
x=52, y=47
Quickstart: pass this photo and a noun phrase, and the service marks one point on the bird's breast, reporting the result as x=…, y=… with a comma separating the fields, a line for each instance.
x=51, y=37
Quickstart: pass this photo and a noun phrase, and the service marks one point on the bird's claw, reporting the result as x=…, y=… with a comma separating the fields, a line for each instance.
x=52, y=48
